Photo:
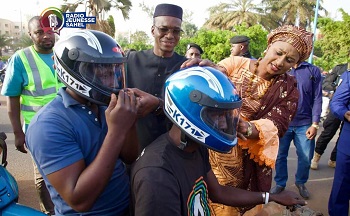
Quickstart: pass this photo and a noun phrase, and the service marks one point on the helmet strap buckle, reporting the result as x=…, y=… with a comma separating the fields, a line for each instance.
x=183, y=141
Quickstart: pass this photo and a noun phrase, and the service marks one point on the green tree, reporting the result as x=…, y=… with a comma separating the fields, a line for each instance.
x=216, y=44
x=122, y=40
x=140, y=37
x=111, y=25
x=137, y=41
x=226, y=15
x=189, y=29
x=22, y=42
x=334, y=42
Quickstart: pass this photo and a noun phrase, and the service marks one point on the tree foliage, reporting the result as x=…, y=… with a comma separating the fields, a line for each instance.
x=334, y=42
x=226, y=15
x=216, y=44
x=137, y=41
x=287, y=12
x=22, y=42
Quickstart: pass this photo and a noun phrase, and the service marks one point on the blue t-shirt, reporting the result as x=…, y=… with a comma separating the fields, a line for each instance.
x=64, y=132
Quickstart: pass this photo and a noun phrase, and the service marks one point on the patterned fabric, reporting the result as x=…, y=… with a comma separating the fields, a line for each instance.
x=298, y=37
x=270, y=115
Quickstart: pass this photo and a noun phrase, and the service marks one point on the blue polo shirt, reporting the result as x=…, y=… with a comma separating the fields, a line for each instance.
x=309, y=83
x=64, y=132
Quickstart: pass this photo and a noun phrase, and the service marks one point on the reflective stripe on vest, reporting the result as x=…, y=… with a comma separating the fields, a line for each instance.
x=41, y=89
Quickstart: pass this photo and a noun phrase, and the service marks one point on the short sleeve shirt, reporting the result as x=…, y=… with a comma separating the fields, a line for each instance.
x=169, y=181
x=64, y=132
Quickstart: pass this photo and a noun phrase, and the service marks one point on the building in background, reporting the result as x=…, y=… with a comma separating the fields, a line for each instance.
x=12, y=29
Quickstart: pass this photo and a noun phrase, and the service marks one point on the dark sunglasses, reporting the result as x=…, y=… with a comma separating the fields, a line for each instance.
x=165, y=30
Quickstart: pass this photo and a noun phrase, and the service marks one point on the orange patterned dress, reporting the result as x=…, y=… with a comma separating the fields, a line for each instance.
x=228, y=167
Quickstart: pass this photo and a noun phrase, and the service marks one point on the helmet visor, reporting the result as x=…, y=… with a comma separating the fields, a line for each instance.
x=223, y=121
x=107, y=77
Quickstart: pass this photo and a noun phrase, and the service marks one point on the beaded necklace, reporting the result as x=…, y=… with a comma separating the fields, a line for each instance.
x=251, y=81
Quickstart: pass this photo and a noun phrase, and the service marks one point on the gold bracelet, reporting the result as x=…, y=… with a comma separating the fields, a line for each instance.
x=315, y=126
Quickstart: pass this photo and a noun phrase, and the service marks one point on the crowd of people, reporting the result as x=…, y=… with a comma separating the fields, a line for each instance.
x=154, y=132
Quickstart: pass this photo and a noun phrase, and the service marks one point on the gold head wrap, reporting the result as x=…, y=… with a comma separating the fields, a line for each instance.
x=296, y=36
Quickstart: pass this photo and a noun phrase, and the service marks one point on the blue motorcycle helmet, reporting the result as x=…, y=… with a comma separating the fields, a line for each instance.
x=205, y=105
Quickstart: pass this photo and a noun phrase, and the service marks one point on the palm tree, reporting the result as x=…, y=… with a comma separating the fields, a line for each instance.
x=99, y=8
x=226, y=15
x=292, y=12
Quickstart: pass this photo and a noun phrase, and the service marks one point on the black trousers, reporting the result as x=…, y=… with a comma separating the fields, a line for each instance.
x=330, y=126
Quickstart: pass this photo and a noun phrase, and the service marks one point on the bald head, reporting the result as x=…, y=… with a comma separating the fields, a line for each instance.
x=33, y=22
x=43, y=41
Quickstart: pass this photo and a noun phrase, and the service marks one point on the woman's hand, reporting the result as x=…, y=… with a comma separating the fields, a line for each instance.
x=242, y=129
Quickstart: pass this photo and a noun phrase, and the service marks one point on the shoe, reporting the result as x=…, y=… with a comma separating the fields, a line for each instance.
x=276, y=190
x=331, y=163
x=315, y=160
x=303, y=191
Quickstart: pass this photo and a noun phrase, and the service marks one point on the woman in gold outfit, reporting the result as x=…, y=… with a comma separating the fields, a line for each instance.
x=270, y=98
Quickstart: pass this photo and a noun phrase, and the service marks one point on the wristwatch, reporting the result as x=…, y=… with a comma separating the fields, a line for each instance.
x=315, y=126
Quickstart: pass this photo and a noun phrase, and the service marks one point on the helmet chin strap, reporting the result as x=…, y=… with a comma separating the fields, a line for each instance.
x=183, y=141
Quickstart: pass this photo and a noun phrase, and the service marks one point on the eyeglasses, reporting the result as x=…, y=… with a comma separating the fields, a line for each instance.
x=165, y=30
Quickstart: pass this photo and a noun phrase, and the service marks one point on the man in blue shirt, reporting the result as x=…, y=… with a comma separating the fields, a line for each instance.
x=29, y=84
x=302, y=129
x=340, y=195
x=79, y=144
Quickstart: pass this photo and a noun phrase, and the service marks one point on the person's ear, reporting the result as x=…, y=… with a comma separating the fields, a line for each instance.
x=152, y=30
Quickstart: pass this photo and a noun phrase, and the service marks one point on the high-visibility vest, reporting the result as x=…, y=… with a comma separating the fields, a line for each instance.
x=42, y=84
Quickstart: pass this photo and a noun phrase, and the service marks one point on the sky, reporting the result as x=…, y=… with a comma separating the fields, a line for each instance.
x=15, y=9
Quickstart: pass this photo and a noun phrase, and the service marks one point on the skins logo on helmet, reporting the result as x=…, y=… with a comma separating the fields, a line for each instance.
x=71, y=81
x=91, y=39
x=182, y=121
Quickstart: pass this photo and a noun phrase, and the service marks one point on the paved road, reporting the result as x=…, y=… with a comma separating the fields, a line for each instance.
x=20, y=165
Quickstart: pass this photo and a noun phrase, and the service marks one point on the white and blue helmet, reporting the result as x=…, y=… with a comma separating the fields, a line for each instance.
x=204, y=103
